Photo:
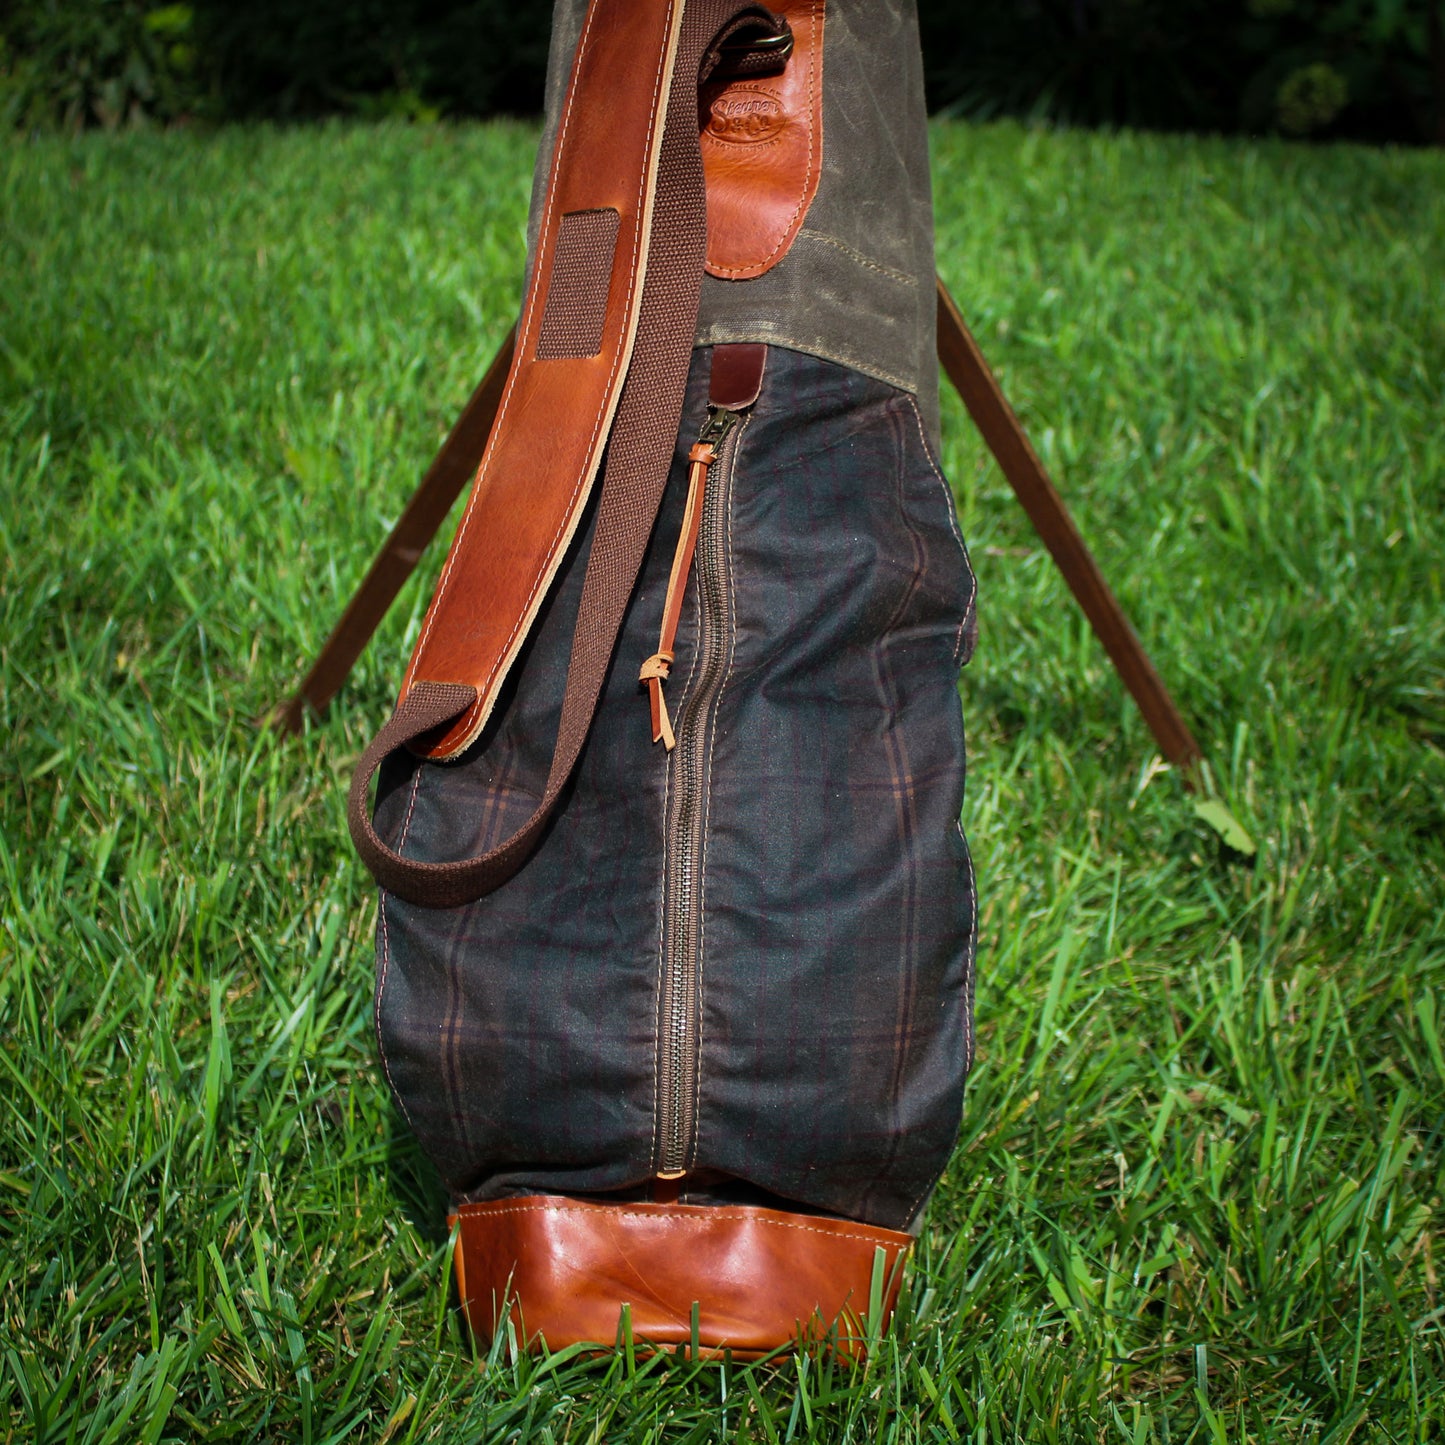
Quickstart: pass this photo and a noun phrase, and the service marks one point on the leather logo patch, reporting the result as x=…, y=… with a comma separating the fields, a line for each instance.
x=745, y=115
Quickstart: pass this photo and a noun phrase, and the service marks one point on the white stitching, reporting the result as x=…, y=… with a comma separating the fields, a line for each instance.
x=971, y=951
x=902, y=278
x=713, y=1215
x=968, y=965
x=957, y=530
x=886, y=679
x=386, y=965
x=410, y=809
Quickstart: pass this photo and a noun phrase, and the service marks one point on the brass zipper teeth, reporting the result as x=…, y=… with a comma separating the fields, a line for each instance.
x=682, y=912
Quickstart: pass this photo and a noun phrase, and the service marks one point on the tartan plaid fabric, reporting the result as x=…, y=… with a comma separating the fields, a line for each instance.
x=521, y=1033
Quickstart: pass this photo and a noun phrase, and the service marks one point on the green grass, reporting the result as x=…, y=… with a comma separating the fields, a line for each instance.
x=1198, y=1191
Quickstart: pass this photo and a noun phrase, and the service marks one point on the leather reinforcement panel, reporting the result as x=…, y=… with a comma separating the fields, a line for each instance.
x=762, y=153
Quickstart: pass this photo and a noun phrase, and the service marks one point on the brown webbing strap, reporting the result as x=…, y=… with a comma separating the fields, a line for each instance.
x=969, y=372
x=638, y=459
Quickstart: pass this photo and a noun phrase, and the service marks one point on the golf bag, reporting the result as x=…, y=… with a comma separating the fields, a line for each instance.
x=676, y=933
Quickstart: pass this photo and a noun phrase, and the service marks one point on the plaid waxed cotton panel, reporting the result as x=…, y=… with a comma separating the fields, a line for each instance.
x=519, y=1033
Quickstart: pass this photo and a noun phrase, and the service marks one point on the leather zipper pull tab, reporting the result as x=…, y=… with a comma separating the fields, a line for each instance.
x=737, y=378
x=657, y=667
x=654, y=673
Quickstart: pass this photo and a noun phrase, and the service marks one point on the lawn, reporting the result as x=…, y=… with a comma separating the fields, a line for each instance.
x=1198, y=1190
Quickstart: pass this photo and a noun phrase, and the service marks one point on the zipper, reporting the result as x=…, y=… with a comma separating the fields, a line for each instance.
x=682, y=896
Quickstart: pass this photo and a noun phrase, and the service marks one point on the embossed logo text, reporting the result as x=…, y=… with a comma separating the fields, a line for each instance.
x=745, y=116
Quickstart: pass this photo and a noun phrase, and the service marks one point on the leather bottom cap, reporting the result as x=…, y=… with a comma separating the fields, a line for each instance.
x=761, y=1279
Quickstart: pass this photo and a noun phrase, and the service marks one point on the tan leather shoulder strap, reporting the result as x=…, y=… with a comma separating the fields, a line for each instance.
x=574, y=341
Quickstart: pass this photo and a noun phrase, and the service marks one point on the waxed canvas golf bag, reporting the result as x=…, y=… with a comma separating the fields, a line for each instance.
x=675, y=947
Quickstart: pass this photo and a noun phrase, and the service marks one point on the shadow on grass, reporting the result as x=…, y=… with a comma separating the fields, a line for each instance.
x=415, y=1184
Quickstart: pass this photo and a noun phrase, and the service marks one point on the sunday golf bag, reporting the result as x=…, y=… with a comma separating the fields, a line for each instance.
x=675, y=946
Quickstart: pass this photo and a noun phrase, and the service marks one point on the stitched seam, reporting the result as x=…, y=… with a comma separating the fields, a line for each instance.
x=896, y=748
x=968, y=965
x=902, y=744
x=410, y=809
x=972, y=947
x=386, y=965
x=523, y=345
x=655, y=1156
x=804, y=198
x=902, y=277
x=720, y=334
x=380, y=990
x=713, y=1216
x=923, y=1194
x=957, y=531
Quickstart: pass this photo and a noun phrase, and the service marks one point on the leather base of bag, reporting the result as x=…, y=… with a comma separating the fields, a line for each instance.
x=760, y=1279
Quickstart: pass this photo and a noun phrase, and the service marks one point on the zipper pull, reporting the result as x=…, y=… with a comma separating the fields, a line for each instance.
x=720, y=421
x=736, y=380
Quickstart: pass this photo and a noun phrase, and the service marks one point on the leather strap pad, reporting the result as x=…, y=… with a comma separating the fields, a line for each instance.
x=501, y=565
x=574, y=343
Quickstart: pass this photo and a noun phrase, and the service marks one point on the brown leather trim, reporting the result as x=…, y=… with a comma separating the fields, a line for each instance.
x=737, y=374
x=762, y=153
x=762, y=1278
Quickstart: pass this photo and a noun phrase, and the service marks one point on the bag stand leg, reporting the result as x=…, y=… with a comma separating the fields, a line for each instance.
x=965, y=367
x=976, y=384
x=455, y=465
